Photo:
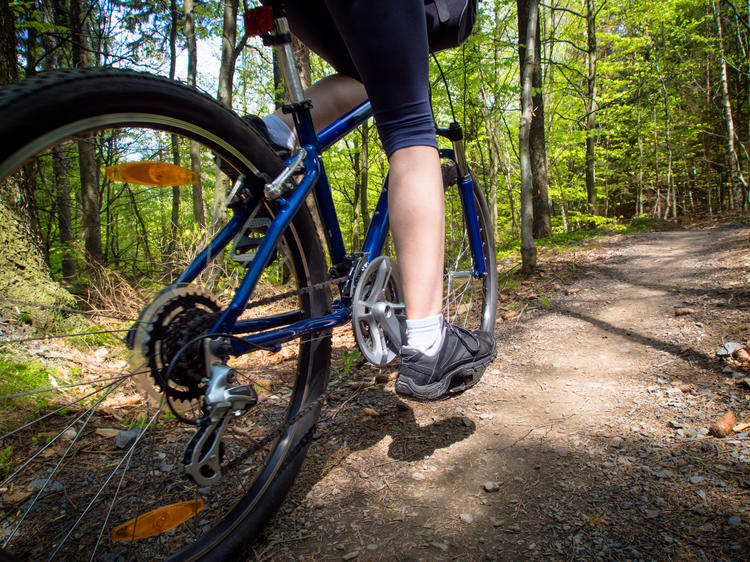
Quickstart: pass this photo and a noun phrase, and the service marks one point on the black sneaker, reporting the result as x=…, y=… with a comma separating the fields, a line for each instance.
x=457, y=366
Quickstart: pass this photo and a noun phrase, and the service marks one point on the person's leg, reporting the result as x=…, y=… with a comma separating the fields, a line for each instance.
x=416, y=212
x=331, y=98
x=387, y=43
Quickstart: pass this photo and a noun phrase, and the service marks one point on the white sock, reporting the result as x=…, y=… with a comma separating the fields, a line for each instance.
x=279, y=132
x=425, y=334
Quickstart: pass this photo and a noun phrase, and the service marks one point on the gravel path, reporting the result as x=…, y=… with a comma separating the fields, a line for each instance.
x=587, y=438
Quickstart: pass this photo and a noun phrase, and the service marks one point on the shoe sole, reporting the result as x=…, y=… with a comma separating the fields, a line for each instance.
x=443, y=388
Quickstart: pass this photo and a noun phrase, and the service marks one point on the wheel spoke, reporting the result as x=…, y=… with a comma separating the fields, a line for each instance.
x=126, y=458
x=90, y=411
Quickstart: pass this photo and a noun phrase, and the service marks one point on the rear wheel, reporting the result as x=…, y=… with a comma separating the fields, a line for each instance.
x=88, y=445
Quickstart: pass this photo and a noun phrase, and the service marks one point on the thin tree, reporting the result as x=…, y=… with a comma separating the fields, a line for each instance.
x=86, y=144
x=192, y=74
x=230, y=50
x=591, y=13
x=528, y=249
x=60, y=161
x=537, y=143
x=735, y=172
x=174, y=222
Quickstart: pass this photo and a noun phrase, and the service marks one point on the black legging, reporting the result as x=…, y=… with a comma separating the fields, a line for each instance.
x=382, y=43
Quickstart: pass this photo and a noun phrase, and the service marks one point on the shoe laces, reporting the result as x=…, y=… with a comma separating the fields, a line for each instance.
x=464, y=334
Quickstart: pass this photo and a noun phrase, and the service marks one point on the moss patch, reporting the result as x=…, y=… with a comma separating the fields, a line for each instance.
x=25, y=277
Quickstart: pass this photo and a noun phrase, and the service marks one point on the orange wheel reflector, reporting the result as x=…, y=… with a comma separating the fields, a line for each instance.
x=161, y=174
x=157, y=521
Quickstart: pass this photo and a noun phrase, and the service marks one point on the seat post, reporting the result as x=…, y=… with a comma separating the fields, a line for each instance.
x=282, y=43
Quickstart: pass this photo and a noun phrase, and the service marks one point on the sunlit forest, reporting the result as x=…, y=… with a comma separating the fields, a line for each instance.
x=639, y=109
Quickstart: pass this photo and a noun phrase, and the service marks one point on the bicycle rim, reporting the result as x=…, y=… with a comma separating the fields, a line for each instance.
x=85, y=451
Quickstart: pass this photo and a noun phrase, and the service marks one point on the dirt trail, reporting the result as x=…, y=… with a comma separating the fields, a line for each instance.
x=586, y=438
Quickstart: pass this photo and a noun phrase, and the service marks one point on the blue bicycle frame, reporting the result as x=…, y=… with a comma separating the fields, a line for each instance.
x=272, y=331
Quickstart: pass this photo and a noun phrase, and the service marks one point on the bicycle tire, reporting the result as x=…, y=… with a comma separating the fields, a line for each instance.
x=468, y=301
x=44, y=111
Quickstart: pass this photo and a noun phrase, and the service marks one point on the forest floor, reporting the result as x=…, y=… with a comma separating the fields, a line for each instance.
x=587, y=438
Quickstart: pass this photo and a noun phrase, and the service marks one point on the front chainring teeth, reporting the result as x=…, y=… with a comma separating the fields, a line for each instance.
x=378, y=312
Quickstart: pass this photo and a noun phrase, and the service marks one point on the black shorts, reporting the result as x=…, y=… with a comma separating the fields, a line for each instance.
x=382, y=43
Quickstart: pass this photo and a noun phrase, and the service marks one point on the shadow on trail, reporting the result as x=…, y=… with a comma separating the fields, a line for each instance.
x=635, y=500
x=579, y=492
x=703, y=360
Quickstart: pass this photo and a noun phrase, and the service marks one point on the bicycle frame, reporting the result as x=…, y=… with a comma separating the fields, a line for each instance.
x=272, y=331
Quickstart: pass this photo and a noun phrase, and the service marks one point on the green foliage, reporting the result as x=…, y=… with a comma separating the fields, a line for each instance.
x=649, y=224
x=18, y=377
x=349, y=357
x=660, y=126
x=7, y=462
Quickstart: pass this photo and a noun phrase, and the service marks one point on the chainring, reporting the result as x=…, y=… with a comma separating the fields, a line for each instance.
x=378, y=311
x=176, y=316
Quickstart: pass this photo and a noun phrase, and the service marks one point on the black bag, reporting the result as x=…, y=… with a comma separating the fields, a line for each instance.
x=449, y=22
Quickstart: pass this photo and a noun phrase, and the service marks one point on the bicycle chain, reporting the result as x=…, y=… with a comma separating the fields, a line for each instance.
x=302, y=291
x=301, y=414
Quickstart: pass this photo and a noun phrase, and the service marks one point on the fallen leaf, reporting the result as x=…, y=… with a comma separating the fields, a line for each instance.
x=723, y=426
x=683, y=386
x=683, y=311
x=371, y=412
x=107, y=431
x=742, y=355
x=740, y=427
x=572, y=291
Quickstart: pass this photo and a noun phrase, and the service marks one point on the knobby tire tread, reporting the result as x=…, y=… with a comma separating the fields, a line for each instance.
x=34, y=107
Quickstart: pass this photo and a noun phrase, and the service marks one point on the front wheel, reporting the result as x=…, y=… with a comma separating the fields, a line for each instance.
x=89, y=465
x=468, y=301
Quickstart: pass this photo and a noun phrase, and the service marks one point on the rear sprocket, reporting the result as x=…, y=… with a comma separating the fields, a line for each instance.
x=174, y=318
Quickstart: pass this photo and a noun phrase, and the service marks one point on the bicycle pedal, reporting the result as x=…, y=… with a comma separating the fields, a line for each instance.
x=246, y=243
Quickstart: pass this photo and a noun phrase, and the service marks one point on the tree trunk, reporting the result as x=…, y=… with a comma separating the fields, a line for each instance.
x=175, y=216
x=8, y=58
x=302, y=56
x=86, y=146
x=224, y=95
x=528, y=249
x=60, y=163
x=671, y=198
x=735, y=173
x=195, y=155
x=707, y=138
x=364, y=178
x=537, y=145
x=639, y=188
x=356, y=160
x=591, y=108
x=657, y=185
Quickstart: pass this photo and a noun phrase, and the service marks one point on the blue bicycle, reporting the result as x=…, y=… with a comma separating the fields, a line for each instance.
x=229, y=364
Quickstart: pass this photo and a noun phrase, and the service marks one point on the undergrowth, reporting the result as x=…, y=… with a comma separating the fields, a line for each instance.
x=17, y=377
x=598, y=229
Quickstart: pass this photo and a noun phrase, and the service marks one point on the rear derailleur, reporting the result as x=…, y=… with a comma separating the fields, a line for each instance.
x=204, y=452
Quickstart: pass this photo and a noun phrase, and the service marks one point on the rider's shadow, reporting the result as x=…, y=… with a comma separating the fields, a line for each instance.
x=410, y=440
